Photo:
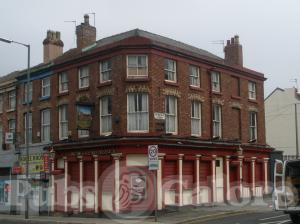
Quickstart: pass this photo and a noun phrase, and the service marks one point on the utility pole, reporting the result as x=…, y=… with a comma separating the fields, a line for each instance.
x=296, y=131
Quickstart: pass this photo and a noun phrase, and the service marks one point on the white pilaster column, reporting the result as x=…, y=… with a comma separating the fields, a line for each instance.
x=198, y=179
x=227, y=178
x=241, y=175
x=159, y=182
x=80, y=184
x=96, y=190
x=116, y=158
x=266, y=160
x=214, y=190
x=66, y=184
x=253, y=176
x=180, y=158
x=52, y=186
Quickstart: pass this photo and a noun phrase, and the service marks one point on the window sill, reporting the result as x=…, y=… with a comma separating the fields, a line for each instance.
x=236, y=97
x=24, y=103
x=107, y=83
x=217, y=93
x=63, y=93
x=45, y=98
x=252, y=101
x=83, y=89
x=171, y=83
x=10, y=110
x=137, y=79
x=198, y=88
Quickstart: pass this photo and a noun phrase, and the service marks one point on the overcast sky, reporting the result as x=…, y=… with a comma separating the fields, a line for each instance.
x=268, y=29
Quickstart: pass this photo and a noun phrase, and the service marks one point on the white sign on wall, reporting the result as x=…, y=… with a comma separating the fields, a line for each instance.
x=153, y=157
x=9, y=138
x=159, y=116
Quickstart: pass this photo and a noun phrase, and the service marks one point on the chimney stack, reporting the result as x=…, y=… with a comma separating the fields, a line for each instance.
x=53, y=46
x=234, y=52
x=85, y=33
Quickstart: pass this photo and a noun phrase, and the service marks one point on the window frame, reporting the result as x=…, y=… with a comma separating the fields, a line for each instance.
x=175, y=115
x=105, y=115
x=216, y=89
x=1, y=103
x=251, y=90
x=252, y=126
x=137, y=66
x=82, y=133
x=29, y=129
x=138, y=112
x=61, y=83
x=109, y=70
x=25, y=92
x=167, y=70
x=12, y=98
x=1, y=136
x=196, y=118
x=192, y=76
x=45, y=125
x=65, y=106
x=10, y=129
x=45, y=86
x=219, y=122
x=80, y=78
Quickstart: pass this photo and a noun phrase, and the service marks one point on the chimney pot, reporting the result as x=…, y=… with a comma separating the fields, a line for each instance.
x=86, y=19
x=85, y=33
x=53, y=46
x=234, y=52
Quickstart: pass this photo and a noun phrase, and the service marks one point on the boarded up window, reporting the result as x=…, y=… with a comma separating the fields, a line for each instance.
x=205, y=173
x=170, y=174
x=235, y=86
x=188, y=172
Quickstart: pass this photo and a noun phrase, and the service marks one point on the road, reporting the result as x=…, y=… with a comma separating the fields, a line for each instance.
x=252, y=218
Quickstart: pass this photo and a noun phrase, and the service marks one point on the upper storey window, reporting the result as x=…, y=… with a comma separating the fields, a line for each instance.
x=171, y=114
x=137, y=66
x=12, y=100
x=252, y=126
x=1, y=103
x=25, y=92
x=170, y=70
x=252, y=90
x=194, y=76
x=63, y=82
x=83, y=78
x=105, y=71
x=46, y=85
x=215, y=82
x=217, y=121
x=137, y=112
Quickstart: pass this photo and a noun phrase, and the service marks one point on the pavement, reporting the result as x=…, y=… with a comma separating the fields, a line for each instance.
x=201, y=214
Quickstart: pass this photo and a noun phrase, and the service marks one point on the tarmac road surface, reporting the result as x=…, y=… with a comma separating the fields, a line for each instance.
x=251, y=218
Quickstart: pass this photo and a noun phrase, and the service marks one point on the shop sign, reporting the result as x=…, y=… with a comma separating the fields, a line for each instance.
x=153, y=157
x=16, y=170
x=46, y=162
x=84, y=117
x=36, y=163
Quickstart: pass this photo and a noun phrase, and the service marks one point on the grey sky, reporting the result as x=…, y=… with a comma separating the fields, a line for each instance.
x=269, y=29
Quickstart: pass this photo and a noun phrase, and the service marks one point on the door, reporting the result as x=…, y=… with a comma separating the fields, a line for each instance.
x=279, y=197
x=219, y=180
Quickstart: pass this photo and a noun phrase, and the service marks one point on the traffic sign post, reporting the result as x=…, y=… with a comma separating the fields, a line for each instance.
x=154, y=165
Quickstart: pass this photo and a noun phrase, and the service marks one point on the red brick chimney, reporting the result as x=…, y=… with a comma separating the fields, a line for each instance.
x=234, y=52
x=53, y=46
x=86, y=34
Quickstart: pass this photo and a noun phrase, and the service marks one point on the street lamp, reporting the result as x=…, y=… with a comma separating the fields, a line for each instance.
x=27, y=119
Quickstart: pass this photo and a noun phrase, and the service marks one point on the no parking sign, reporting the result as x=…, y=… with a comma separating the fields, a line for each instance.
x=153, y=157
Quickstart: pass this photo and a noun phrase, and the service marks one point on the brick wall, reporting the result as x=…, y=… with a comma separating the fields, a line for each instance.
x=156, y=84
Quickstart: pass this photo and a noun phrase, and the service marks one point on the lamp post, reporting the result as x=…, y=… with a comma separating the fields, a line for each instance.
x=27, y=119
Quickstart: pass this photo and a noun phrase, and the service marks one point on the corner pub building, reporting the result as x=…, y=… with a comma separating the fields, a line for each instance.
x=113, y=97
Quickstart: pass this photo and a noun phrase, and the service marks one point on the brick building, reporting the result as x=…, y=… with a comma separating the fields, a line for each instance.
x=97, y=107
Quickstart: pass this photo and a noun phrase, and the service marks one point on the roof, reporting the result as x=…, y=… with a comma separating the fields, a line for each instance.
x=156, y=39
x=275, y=90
